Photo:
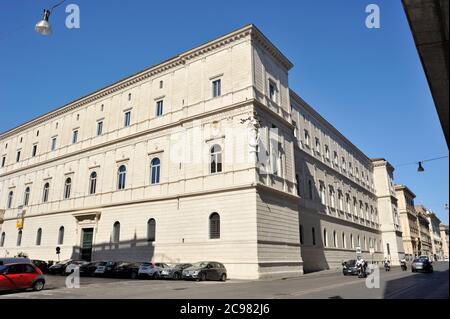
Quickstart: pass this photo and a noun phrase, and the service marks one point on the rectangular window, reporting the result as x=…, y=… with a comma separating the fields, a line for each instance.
x=161, y=84
x=99, y=128
x=335, y=158
x=306, y=138
x=159, y=108
x=327, y=152
x=3, y=161
x=53, y=143
x=34, y=151
x=74, y=136
x=317, y=146
x=18, y=156
x=272, y=91
x=127, y=119
x=217, y=88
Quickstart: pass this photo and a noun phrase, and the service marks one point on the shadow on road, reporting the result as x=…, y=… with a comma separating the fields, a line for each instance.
x=419, y=286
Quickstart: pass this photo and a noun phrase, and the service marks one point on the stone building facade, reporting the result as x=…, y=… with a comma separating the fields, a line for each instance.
x=206, y=156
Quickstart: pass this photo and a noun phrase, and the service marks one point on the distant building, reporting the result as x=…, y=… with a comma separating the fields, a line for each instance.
x=408, y=221
x=388, y=212
x=425, y=242
x=444, y=240
x=435, y=235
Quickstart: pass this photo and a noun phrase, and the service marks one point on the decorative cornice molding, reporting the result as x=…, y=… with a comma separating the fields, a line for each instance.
x=181, y=59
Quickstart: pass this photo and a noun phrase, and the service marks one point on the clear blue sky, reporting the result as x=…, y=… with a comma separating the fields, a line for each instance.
x=368, y=83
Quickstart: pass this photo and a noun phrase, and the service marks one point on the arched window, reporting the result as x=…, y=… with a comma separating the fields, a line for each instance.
x=93, y=183
x=10, y=199
x=365, y=243
x=46, y=192
x=310, y=189
x=359, y=241
x=344, y=240
x=121, y=177
x=301, y=234
x=155, y=168
x=214, y=226
x=2, y=239
x=151, y=229
x=352, y=244
x=19, y=238
x=325, y=238
x=335, y=239
x=313, y=233
x=38, y=237
x=26, y=196
x=116, y=232
x=61, y=235
x=216, y=159
x=67, y=188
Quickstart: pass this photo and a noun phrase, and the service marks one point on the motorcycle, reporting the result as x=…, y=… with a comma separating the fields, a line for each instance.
x=361, y=271
x=387, y=267
x=403, y=266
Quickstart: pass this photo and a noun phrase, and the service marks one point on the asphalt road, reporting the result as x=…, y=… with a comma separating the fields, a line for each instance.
x=323, y=285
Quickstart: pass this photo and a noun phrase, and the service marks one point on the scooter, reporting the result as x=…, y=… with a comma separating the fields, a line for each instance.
x=387, y=267
x=403, y=266
x=361, y=272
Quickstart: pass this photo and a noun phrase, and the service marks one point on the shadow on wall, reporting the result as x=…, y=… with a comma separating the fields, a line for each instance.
x=310, y=228
x=135, y=250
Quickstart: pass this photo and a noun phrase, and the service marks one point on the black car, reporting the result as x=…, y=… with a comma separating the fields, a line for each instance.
x=174, y=272
x=89, y=268
x=206, y=270
x=42, y=265
x=127, y=270
x=422, y=264
x=59, y=268
x=349, y=267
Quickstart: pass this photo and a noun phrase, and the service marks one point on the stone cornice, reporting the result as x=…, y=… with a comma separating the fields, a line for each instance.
x=248, y=30
x=330, y=127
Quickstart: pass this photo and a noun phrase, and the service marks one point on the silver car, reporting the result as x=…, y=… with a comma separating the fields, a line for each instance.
x=422, y=264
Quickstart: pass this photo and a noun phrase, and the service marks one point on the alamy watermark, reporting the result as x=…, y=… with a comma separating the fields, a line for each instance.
x=373, y=20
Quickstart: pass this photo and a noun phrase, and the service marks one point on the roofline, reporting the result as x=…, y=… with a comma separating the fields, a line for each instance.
x=404, y=187
x=249, y=29
x=321, y=118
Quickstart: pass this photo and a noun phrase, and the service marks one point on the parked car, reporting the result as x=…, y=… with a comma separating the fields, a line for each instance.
x=70, y=268
x=152, y=270
x=349, y=267
x=19, y=276
x=421, y=264
x=174, y=272
x=206, y=270
x=107, y=268
x=89, y=268
x=4, y=261
x=59, y=268
x=128, y=270
x=42, y=265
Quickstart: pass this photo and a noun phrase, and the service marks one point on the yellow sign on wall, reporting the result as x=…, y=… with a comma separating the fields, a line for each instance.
x=20, y=219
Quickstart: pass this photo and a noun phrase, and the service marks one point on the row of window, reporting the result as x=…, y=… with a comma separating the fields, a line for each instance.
x=341, y=202
x=344, y=166
x=159, y=111
x=60, y=240
x=214, y=229
x=214, y=232
x=352, y=244
x=155, y=177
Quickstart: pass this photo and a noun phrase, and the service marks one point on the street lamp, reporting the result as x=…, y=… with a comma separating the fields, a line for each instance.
x=43, y=27
x=420, y=168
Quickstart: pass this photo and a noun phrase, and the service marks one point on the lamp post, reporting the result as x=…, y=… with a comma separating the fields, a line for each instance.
x=43, y=27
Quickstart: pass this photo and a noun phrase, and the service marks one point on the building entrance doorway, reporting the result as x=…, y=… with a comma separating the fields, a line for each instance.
x=86, y=243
